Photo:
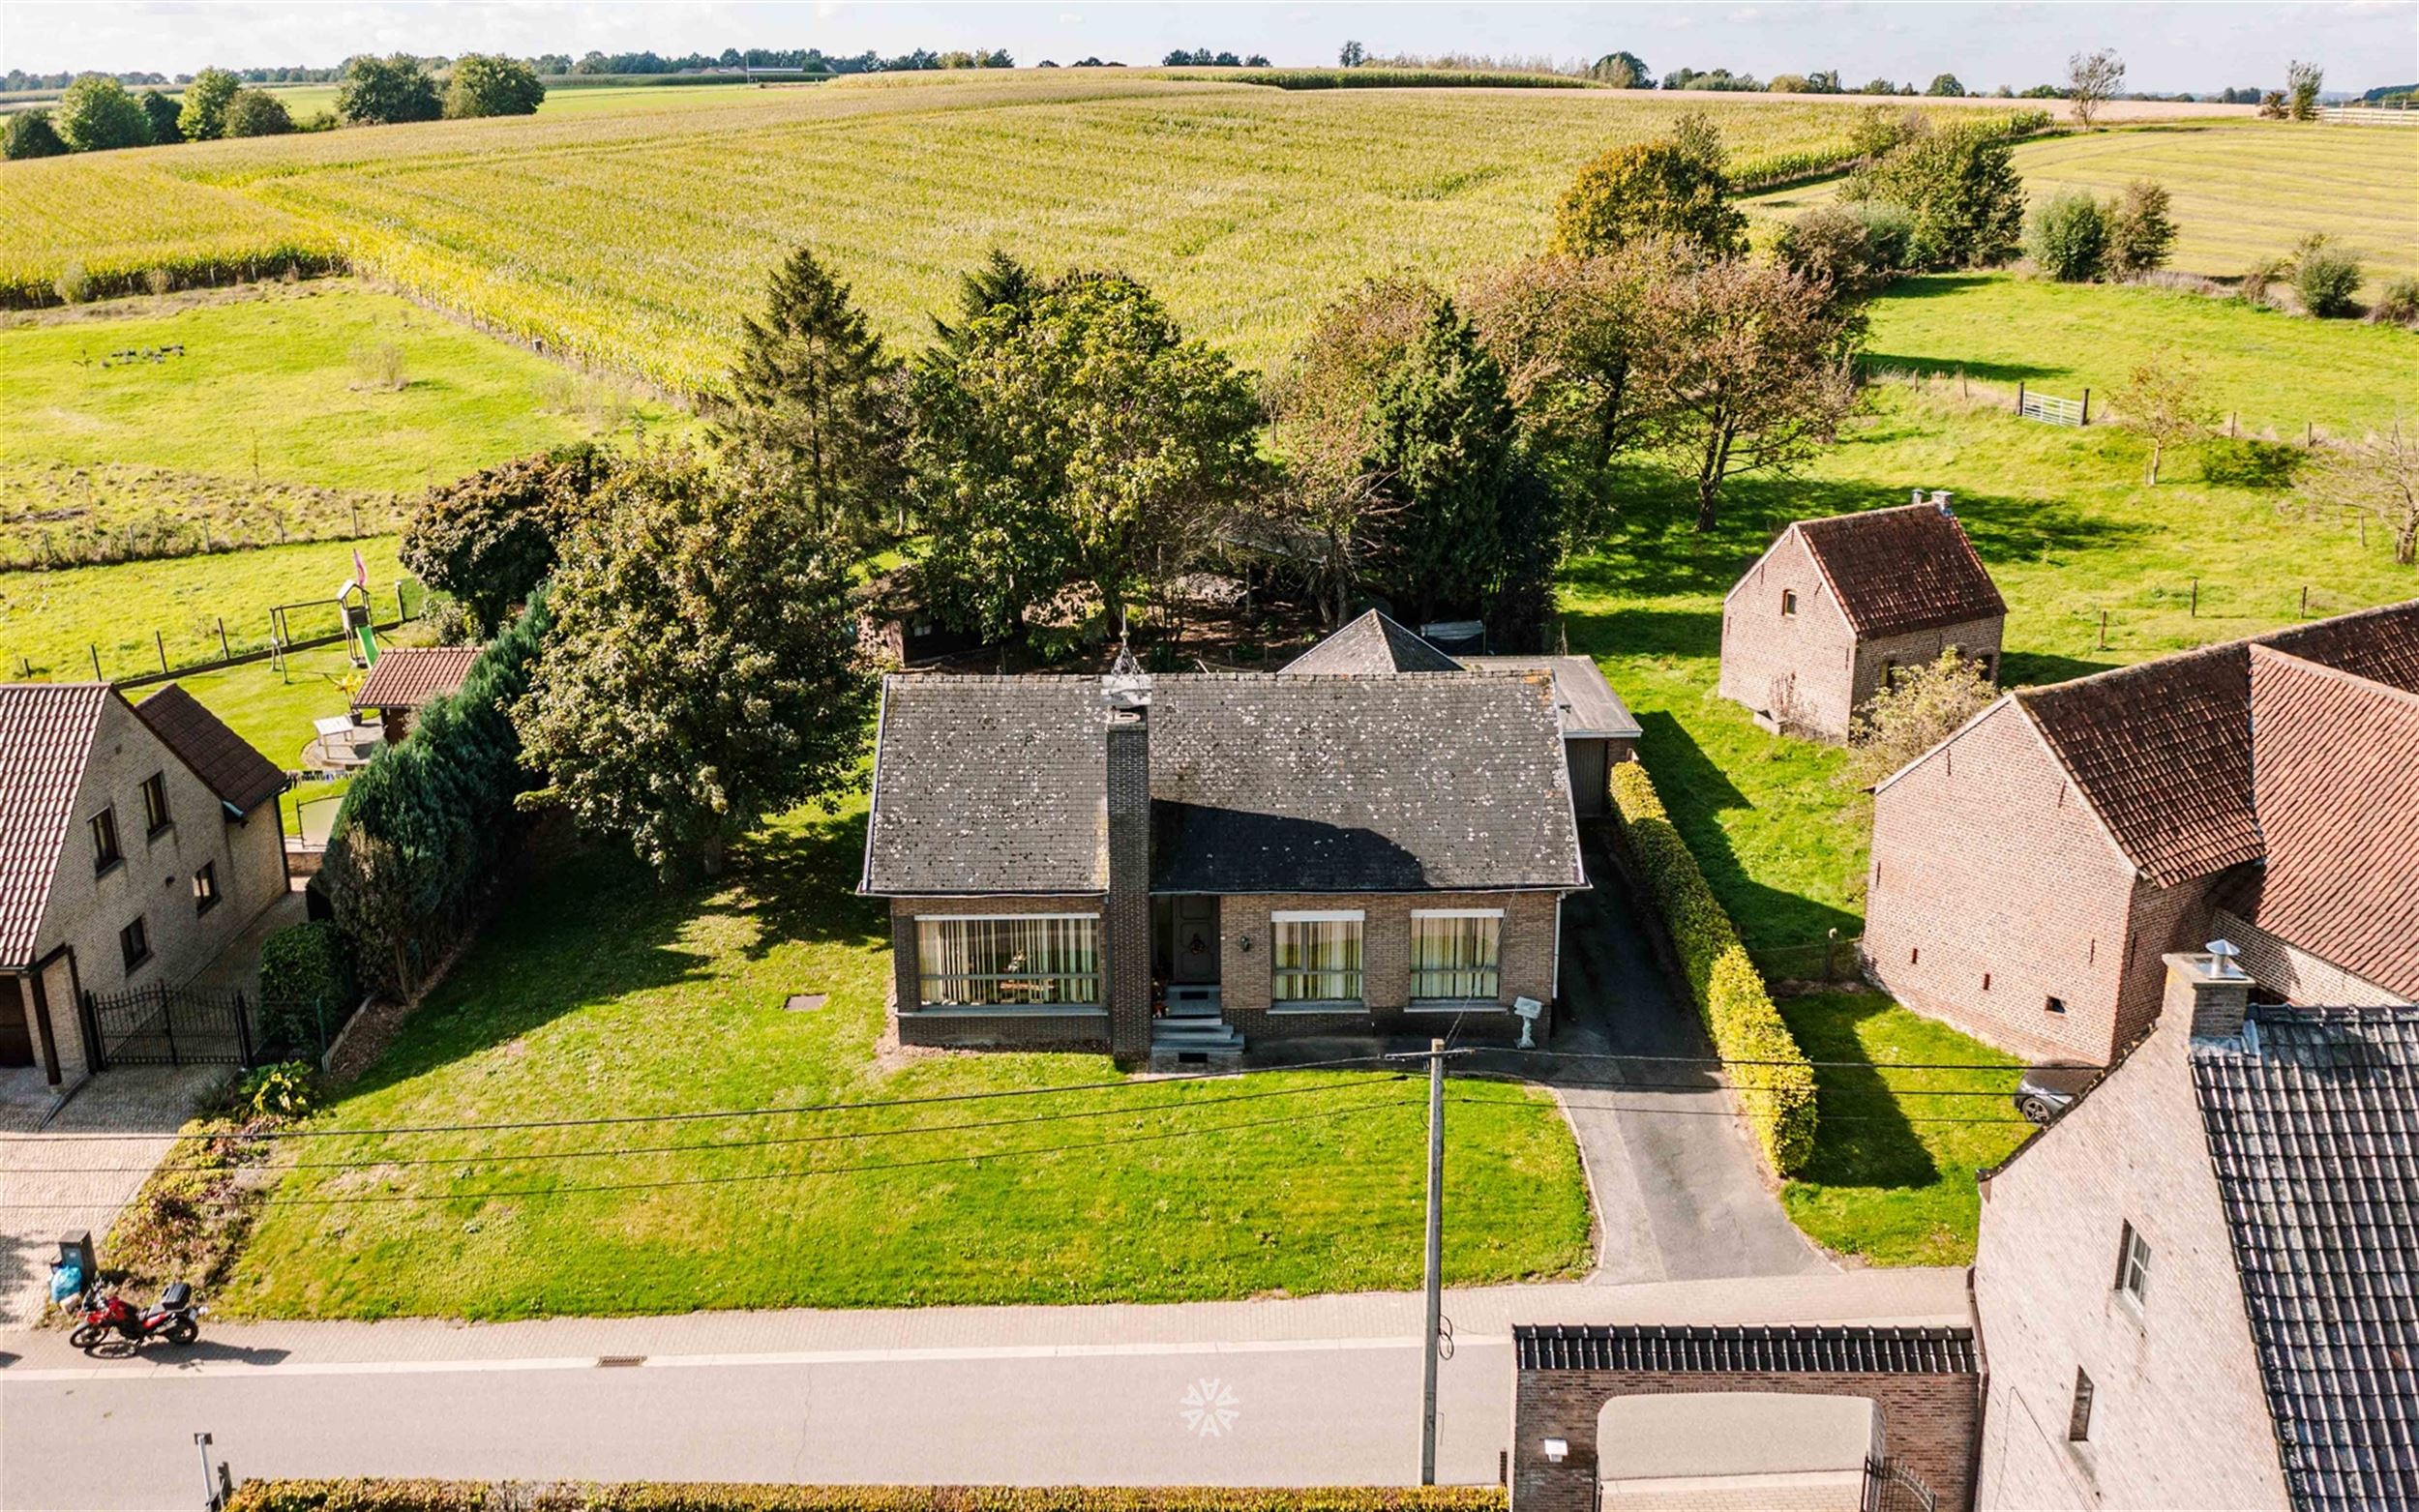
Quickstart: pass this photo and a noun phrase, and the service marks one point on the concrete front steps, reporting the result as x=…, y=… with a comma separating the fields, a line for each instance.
x=1193, y=1028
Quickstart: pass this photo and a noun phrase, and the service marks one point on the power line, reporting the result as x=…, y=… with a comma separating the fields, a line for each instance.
x=1724, y=1113
x=1379, y=1105
x=712, y=1145
x=1128, y=1085
x=1723, y=1060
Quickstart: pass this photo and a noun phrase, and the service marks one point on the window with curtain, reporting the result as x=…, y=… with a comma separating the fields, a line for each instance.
x=1456, y=956
x=1317, y=959
x=1035, y=960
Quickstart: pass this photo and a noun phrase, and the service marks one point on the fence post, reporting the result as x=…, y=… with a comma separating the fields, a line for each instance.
x=2195, y=598
x=243, y=1030
x=2304, y=601
x=159, y=645
x=2086, y=412
x=96, y=662
x=2103, y=630
x=2020, y=395
x=167, y=1022
x=224, y=654
x=1830, y=942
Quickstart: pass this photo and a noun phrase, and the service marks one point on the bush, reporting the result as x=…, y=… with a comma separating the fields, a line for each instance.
x=484, y=85
x=2141, y=231
x=256, y=112
x=2326, y=277
x=307, y=982
x=2260, y=279
x=30, y=135
x=287, y=1090
x=2398, y=304
x=1857, y=249
x=1775, y=1084
x=441, y=1496
x=1959, y=186
x=2067, y=237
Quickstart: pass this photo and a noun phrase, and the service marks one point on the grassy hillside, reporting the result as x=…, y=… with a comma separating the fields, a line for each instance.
x=637, y=239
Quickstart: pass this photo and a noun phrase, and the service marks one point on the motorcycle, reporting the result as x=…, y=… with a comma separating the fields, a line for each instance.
x=174, y=1317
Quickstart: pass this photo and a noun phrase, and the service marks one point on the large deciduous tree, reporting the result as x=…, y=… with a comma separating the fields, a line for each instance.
x=384, y=91
x=1749, y=369
x=160, y=113
x=202, y=115
x=702, y=671
x=1672, y=187
x=256, y=112
x=488, y=85
x=30, y=135
x=490, y=538
x=1959, y=184
x=1076, y=438
x=1566, y=330
x=818, y=401
x=96, y=114
x=2092, y=80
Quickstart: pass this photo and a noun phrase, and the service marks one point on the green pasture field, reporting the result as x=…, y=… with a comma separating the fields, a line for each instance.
x=2241, y=191
x=598, y=992
x=1247, y=208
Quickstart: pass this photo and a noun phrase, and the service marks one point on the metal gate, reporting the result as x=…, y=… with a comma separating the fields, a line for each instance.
x=1890, y=1486
x=159, y=1026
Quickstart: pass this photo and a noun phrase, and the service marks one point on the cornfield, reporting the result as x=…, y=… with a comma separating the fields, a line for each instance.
x=636, y=240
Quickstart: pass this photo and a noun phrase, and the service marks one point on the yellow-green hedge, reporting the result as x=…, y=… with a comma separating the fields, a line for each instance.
x=1778, y=1099
x=460, y=1495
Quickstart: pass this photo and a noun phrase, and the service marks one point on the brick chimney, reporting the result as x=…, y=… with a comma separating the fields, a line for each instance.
x=1940, y=502
x=2207, y=991
x=1126, y=699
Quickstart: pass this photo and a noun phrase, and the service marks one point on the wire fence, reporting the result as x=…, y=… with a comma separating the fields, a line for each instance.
x=154, y=652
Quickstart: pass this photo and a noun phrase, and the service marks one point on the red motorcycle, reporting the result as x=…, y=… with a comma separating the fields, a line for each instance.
x=174, y=1317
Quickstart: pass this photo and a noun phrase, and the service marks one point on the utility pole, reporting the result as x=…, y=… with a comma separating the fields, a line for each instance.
x=1436, y=1261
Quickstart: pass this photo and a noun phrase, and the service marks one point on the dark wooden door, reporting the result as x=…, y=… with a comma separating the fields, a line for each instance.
x=17, y=1033
x=1193, y=958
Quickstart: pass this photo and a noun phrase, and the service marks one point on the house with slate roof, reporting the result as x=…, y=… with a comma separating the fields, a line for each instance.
x=136, y=842
x=1175, y=863
x=2199, y=1286
x=1597, y=727
x=1836, y=607
x=2029, y=872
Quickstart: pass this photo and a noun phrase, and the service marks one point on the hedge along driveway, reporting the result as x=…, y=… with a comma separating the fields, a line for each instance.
x=596, y=994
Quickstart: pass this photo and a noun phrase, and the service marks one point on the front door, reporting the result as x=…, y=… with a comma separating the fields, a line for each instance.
x=1193, y=953
x=16, y=1023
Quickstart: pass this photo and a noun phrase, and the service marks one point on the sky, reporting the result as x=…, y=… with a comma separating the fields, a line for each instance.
x=2166, y=48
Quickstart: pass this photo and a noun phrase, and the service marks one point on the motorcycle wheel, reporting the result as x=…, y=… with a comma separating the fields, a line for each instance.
x=182, y=1332
x=87, y=1336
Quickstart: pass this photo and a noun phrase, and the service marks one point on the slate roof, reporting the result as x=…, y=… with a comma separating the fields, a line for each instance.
x=1833, y=1349
x=1902, y=568
x=1372, y=643
x=2336, y=785
x=225, y=761
x=1259, y=782
x=45, y=738
x=2161, y=752
x=2312, y=1126
x=1584, y=702
x=409, y=676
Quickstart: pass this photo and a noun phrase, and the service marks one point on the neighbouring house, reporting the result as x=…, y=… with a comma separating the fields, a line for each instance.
x=1833, y=608
x=1169, y=863
x=1597, y=727
x=1837, y=1419
x=136, y=842
x=406, y=679
x=2199, y=1286
x=2029, y=872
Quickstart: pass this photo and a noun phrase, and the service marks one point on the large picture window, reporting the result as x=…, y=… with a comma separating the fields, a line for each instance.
x=1456, y=954
x=1317, y=958
x=1026, y=960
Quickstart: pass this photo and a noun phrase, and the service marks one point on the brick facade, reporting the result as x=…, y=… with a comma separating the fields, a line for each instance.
x=1790, y=654
x=1929, y=1423
x=2178, y=1415
x=153, y=881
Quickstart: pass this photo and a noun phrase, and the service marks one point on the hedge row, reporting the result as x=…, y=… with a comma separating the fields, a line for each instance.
x=1378, y=79
x=1778, y=1094
x=29, y=288
x=458, y=1496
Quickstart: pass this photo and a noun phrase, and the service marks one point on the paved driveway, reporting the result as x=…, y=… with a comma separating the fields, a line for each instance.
x=57, y=1180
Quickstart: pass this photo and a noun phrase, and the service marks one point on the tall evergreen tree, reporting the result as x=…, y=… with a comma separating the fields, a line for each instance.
x=1444, y=433
x=819, y=404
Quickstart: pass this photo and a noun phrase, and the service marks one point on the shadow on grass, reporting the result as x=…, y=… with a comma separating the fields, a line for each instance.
x=2038, y=669
x=1695, y=791
x=1633, y=632
x=1950, y=368
x=1863, y=1138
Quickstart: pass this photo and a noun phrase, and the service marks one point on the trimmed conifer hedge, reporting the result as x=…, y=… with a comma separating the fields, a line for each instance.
x=457, y=1496
x=1776, y=1087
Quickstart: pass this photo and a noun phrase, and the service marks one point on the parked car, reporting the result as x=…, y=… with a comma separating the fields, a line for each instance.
x=2045, y=1091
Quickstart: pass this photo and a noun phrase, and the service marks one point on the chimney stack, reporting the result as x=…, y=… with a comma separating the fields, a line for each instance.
x=1914, y=496
x=2207, y=991
x=1126, y=699
x=1940, y=502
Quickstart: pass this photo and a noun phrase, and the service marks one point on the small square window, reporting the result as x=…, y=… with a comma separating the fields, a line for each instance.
x=2056, y=1005
x=1788, y=602
x=135, y=943
x=155, y=803
x=206, y=887
x=104, y=841
x=2133, y=1267
x=2078, y=1418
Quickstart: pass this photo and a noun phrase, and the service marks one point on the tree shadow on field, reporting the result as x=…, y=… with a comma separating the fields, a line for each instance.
x=1645, y=631
x=2040, y=669
x=1862, y=1136
x=800, y=875
x=2007, y=528
x=2002, y=372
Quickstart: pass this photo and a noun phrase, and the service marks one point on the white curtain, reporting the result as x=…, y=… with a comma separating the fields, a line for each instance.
x=1001, y=962
x=1454, y=955
x=1317, y=960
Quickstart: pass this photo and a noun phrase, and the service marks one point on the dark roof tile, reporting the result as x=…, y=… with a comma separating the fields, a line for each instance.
x=1372, y=643
x=1900, y=570
x=227, y=763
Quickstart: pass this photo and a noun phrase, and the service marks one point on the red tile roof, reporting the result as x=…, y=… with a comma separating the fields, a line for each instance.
x=2380, y=644
x=2337, y=783
x=1902, y=568
x=46, y=739
x=227, y=763
x=409, y=676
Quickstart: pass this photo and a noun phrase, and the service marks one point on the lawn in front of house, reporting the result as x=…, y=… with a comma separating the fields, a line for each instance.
x=597, y=993
x=1892, y=1179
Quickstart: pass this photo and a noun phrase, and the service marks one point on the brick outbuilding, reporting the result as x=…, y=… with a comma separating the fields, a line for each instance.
x=1833, y=608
